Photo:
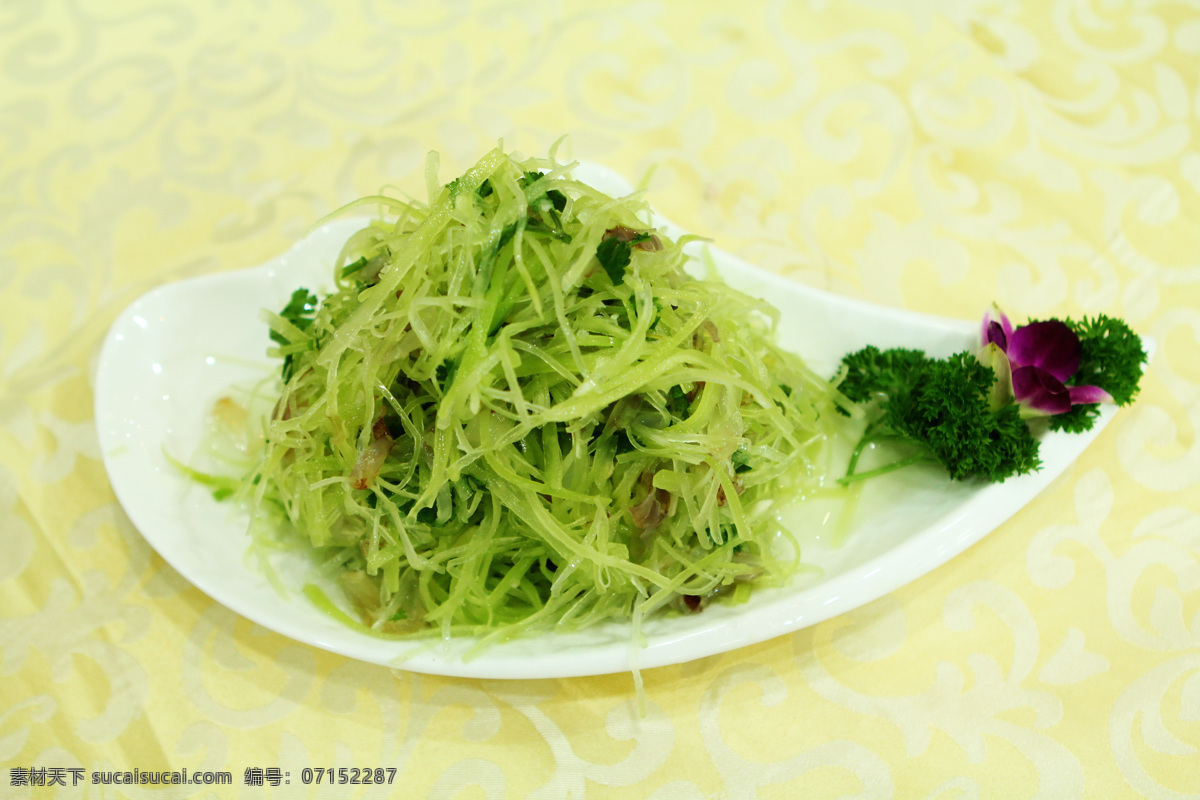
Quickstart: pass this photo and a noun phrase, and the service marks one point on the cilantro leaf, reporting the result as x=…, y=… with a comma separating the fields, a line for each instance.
x=445, y=372
x=614, y=255
x=678, y=402
x=300, y=310
x=556, y=199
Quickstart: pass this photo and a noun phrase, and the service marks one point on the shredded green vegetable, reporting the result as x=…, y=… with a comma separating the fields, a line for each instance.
x=517, y=411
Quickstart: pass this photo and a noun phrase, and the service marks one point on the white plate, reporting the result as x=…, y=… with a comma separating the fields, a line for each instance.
x=174, y=351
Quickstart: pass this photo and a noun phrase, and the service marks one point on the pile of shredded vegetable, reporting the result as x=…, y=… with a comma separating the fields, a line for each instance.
x=517, y=411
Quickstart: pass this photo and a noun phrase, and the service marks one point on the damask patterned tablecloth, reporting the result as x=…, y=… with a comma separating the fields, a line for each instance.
x=930, y=156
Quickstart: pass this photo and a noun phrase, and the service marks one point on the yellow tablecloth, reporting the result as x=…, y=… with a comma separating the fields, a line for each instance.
x=933, y=156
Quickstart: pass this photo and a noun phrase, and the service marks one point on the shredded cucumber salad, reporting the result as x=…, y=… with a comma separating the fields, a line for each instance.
x=517, y=411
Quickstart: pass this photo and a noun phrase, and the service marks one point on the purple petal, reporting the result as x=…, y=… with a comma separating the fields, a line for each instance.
x=995, y=335
x=1085, y=395
x=1038, y=390
x=994, y=316
x=1049, y=345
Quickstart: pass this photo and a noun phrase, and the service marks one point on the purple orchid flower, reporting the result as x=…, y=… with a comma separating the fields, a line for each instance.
x=1032, y=363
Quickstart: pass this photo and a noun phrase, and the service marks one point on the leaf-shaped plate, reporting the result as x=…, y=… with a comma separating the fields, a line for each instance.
x=177, y=349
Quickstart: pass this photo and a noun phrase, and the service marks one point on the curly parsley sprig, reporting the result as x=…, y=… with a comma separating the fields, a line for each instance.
x=970, y=412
